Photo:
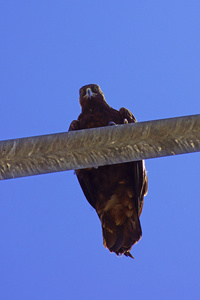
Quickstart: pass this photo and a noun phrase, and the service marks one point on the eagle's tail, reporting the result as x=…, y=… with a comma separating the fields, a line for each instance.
x=120, y=224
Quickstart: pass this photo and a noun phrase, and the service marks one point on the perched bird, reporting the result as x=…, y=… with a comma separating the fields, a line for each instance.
x=116, y=191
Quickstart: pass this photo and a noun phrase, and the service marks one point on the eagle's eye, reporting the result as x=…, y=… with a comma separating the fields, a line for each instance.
x=96, y=88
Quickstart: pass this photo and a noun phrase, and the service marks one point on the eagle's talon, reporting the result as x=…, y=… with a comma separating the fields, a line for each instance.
x=111, y=123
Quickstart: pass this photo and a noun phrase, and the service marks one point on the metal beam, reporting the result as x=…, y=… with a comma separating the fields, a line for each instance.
x=99, y=146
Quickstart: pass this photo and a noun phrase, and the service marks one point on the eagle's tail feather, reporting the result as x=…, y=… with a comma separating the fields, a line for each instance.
x=120, y=225
x=120, y=239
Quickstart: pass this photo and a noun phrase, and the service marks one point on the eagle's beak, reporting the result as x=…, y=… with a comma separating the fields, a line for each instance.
x=89, y=93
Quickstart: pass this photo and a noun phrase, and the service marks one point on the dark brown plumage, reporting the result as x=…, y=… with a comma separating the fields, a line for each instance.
x=116, y=191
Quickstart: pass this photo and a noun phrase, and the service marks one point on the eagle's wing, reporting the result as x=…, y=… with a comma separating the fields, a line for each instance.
x=127, y=115
x=139, y=176
x=86, y=181
x=75, y=125
x=84, y=177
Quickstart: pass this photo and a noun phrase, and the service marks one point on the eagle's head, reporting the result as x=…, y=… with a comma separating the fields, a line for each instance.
x=90, y=95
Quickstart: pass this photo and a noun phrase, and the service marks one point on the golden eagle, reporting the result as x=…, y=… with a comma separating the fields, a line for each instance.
x=116, y=191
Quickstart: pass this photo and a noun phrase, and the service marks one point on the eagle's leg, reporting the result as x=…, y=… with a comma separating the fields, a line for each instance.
x=127, y=116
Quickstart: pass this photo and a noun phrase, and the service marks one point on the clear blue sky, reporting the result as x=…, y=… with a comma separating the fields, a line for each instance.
x=145, y=55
